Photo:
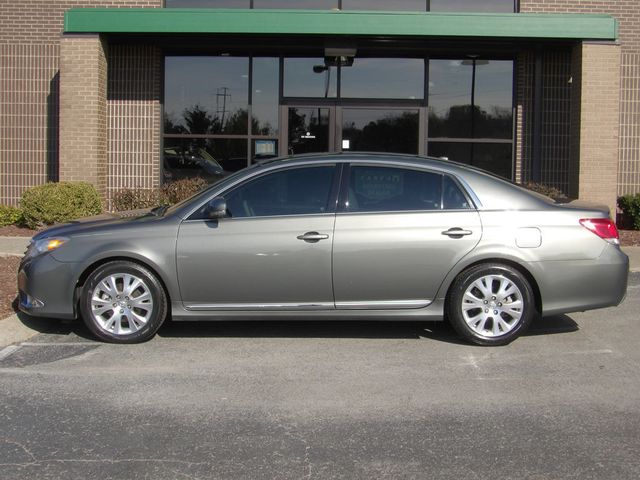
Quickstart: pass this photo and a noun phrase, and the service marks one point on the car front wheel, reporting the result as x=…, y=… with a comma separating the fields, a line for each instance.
x=123, y=302
x=491, y=304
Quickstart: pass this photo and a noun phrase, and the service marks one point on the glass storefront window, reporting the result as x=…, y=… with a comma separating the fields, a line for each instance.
x=264, y=97
x=206, y=95
x=507, y=6
x=380, y=130
x=449, y=99
x=208, y=3
x=470, y=98
x=206, y=158
x=381, y=78
x=493, y=99
x=493, y=157
x=297, y=4
x=308, y=77
x=395, y=5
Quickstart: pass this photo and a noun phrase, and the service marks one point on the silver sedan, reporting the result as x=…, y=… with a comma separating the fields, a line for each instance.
x=333, y=236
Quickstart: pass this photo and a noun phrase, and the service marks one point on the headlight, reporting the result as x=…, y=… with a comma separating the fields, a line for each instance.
x=45, y=245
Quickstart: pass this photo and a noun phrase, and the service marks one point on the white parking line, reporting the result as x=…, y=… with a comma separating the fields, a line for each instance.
x=55, y=344
x=5, y=352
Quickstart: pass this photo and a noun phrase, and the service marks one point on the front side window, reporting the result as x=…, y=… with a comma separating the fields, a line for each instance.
x=295, y=191
x=383, y=189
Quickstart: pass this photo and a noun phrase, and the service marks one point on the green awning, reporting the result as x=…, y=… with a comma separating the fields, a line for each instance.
x=315, y=22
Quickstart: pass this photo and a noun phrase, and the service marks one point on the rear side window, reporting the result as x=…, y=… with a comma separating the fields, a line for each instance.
x=383, y=189
x=452, y=196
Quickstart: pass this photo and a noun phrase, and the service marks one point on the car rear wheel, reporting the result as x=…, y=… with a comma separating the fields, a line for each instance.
x=123, y=302
x=491, y=304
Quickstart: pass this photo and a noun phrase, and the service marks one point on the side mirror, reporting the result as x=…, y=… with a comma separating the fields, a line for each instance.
x=216, y=208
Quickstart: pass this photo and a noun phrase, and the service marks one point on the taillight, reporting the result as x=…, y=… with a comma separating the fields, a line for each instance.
x=603, y=227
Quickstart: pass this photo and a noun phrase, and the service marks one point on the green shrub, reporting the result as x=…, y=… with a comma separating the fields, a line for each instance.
x=10, y=215
x=550, y=192
x=61, y=202
x=179, y=190
x=630, y=205
x=133, y=199
x=168, y=194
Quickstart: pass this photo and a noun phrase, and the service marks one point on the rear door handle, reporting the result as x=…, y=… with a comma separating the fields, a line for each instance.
x=312, y=237
x=456, y=232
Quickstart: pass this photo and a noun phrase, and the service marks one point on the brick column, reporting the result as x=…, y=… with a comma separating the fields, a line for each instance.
x=83, y=110
x=595, y=117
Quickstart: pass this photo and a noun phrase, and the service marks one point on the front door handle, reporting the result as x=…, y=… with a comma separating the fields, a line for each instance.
x=312, y=237
x=456, y=232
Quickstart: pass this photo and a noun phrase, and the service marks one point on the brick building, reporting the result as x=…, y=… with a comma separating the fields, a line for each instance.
x=131, y=94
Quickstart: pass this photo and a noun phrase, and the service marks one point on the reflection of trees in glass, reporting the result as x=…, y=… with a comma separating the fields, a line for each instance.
x=457, y=122
x=198, y=121
x=264, y=128
x=393, y=133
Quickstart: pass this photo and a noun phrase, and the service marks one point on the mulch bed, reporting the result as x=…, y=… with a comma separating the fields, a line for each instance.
x=13, y=231
x=630, y=238
x=9, y=265
x=8, y=285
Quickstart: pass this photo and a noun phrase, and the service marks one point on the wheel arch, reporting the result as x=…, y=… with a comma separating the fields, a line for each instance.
x=87, y=270
x=495, y=260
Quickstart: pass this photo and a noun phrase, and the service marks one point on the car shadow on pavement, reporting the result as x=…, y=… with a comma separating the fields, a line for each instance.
x=438, y=331
x=552, y=325
x=55, y=327
x=311, y=329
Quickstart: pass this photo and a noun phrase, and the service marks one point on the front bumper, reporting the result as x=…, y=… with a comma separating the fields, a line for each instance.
x=46, y=287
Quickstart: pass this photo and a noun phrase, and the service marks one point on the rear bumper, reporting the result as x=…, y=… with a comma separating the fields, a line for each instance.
x=46, y=287
x=579, y=285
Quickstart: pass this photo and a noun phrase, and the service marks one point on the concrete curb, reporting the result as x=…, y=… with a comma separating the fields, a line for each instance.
x=12, y=330
x=13, y=246
x=634, y=258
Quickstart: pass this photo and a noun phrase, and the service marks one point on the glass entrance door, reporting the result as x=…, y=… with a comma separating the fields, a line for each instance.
x=329, y=128
x=310, y=129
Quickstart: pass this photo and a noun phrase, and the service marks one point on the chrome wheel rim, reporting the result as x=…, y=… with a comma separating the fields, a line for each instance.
x=492, y=306
x=121, y=304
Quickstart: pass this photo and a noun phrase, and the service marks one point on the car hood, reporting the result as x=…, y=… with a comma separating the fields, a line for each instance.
x=86, y=224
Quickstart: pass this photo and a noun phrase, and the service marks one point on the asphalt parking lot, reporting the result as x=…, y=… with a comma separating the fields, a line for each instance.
x=327, y=400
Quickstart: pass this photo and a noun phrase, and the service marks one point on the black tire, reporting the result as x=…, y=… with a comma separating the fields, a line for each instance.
x=148, y=301
x=486, y=316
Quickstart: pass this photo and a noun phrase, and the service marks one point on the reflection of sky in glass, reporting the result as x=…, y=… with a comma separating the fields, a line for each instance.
x=450, y=84
x=301, y=81
x=208, y=3
x=191, y=81
x=383, y=78
x=264, y=101
x=494, y=84
x=389, y=5
x=472, y=6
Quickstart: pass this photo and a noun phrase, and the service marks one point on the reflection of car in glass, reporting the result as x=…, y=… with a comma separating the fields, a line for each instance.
x=342, y=236
x=194, y=162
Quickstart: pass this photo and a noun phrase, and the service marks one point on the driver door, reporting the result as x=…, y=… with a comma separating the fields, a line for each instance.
x=273, y=252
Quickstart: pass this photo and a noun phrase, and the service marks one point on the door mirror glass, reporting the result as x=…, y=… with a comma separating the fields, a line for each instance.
x=216, y=208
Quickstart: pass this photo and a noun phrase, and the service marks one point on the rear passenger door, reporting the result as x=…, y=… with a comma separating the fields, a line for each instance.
x=399, y=232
